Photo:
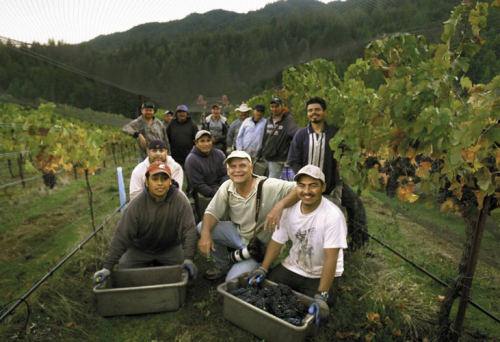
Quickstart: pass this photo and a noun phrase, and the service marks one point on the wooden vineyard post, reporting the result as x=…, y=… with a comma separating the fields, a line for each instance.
x=10, y=168
x=114, y=155
x=123, y=153
x=20, y=164
x=89, y=194
x=471, y=268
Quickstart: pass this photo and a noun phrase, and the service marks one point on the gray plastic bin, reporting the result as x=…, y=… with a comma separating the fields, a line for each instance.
x=260, y=323
x=142, y=290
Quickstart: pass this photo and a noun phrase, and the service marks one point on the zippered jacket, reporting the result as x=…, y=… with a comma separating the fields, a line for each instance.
x=277, y=138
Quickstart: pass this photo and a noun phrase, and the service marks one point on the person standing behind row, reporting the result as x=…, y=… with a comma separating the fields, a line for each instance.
x=146, y=128
x=280, y=130
x=232, y=134
x=251, y=132
x=169, y=115
x=181, y=132
x=217, y=125
x=311, y=145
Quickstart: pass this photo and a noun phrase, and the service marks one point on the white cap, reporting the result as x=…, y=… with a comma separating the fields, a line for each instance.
x=201, y=133
x=238, y=154
x=243, y=108
x=311, y=171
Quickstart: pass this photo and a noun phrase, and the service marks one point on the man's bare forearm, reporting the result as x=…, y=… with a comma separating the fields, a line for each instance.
x=329, y=269
x=208, y=224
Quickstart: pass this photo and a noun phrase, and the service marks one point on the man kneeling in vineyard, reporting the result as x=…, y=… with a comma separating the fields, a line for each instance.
x=242, y=215
x=156, y=228
x=318, y=232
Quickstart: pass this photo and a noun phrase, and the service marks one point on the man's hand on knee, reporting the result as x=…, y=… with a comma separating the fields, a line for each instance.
x=206, y=244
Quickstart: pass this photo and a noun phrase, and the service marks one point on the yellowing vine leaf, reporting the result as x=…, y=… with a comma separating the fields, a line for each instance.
x=405, y=193
x=480, y=195
x=448, y=206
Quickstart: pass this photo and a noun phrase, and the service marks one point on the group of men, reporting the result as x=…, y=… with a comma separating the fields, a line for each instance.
x=246, y=212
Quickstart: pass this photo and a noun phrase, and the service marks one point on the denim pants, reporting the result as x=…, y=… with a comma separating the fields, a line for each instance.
x=134, y=258
x=224, y=235
x=275, y=169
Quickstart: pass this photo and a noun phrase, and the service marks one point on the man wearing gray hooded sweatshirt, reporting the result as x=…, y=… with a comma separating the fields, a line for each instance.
x=157, y=227
x=181, y=133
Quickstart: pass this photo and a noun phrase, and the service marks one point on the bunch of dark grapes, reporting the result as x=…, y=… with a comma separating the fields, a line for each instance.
x=277, y=300
x=49, y=179
x=436, y=163
x=394, y=169
x=468, y=197
x=443, y=194
x=371, y=162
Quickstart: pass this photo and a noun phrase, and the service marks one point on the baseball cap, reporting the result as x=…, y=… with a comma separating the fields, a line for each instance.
x=311, y=171
x=183, y=108
x=148, y=104
x=215, y=105
x=238, y=154
x=157, y=144
x=201, y=133
x=159, y=167
x=169, y=112
x=276, y=100
x=260, y=108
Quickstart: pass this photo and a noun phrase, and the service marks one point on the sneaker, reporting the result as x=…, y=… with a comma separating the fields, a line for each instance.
x=216, y=273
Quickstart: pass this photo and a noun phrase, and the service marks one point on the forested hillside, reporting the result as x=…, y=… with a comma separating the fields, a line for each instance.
x=221, y=52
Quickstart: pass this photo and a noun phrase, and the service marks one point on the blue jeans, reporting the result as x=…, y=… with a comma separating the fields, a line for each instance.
x=275, y=169
x=225, y=234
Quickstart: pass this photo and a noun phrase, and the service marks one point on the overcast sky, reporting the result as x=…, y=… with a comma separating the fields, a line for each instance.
x=75, y=21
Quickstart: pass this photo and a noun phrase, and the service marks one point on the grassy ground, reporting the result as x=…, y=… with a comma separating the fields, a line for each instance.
x=382, y=298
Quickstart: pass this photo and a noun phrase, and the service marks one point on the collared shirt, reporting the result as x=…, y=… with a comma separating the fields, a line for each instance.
x=227, y=204
x=250, y=136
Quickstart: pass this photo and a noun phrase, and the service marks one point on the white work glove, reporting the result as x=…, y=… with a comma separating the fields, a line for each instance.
x=101, y=276
x=228, y=151
x=189, y=265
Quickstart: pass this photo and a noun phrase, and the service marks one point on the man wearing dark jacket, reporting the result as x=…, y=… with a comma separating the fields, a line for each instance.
x=157, y=227
x=181, y=133
x=311, y=145
x=217, y=125
x=205, y=167
x=278, y=135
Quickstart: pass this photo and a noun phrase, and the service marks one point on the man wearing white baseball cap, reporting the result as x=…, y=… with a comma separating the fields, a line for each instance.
x=238, y=212
x=318, y=231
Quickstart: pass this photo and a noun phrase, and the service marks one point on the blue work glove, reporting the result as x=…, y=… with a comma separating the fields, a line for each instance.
x=189, y=265
x=320, y=307
x=101, y=276
x=257, y=276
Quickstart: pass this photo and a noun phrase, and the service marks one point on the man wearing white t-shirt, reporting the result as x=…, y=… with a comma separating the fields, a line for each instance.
x=318, y=231
x=157, y=151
